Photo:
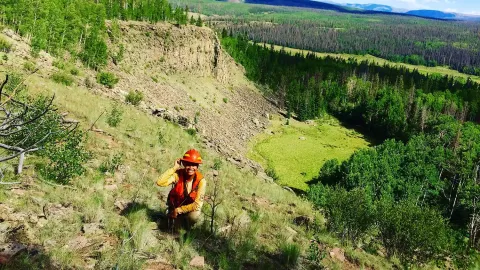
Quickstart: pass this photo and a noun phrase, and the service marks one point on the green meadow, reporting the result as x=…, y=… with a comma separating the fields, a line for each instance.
x=296, y=152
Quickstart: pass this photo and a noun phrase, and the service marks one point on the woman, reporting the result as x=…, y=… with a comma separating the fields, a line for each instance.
x=185, y=200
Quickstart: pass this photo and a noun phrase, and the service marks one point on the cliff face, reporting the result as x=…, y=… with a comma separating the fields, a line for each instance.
x=171, y=49
x=185, y=74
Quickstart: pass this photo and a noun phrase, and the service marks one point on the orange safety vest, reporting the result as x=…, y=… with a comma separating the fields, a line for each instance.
x=178, y=196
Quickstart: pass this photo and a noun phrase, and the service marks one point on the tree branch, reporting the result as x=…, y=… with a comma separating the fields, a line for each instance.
x=3, y=85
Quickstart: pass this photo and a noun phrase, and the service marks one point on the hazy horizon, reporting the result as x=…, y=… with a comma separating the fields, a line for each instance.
x=471, y=7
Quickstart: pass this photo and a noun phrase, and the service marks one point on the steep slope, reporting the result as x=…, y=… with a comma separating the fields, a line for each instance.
x=108, y=220
x=184, y=70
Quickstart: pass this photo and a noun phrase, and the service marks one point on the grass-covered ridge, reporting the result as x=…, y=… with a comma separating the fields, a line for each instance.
x=296, y=151
x=436, y=71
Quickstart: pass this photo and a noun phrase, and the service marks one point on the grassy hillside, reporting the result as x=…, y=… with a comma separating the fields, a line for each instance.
x=105, y=220
x=295, y=152
x=129, y=238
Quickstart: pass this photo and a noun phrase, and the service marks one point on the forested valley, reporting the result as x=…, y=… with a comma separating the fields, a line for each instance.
x=429, y=43
x=417, y=192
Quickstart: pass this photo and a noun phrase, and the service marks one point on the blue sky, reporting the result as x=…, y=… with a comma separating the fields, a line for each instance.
x=461, y=6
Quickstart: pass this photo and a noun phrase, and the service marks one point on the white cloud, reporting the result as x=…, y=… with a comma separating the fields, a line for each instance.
x=450, y=10
x=475, y=13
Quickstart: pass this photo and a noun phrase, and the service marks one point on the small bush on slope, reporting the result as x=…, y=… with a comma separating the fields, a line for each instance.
x=66, y=158
x=134, y=97
x=115, y=116
x=108, y=79
x=5, y=46
x=63, y=78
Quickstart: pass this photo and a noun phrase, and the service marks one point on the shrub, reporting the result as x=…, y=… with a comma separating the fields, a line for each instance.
x=192, y=131
x=62, y=78
x=115, y=116
x=217, y=164
x=314, y=253
x=58, y=64
x=134, y=97
x=66, y=158
x=290, y=252
x=89, y=82
x=5, y=57
x=270, y=171
x=5, y=46
x=161, y=137
x=413, y=233
x=195, y=119
x=29, y=66
x=108, y=79
x=74, y=71
x=115, y=32
x=225, y=100
x=118, y=57
x=350, y=214
x=111, y=165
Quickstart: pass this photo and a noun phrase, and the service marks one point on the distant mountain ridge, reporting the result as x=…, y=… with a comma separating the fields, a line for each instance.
x=432, y=14
x=334, y=7
x=300, y=3
x=375, y=7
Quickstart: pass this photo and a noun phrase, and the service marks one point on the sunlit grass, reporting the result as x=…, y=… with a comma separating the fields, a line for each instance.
x=297, y=151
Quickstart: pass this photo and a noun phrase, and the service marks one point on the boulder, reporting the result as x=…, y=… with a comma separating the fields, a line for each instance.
x=303, y=221
x=77, y=243
x=111, y=187
x=18, y=191
x=56, y=211
x=92, y=228
x=121, y=204
x=338, y=254
x=8, y=250
x=198, y=261
x=291, y=231
x=225, y=230
x=256, y=122
x=242, y=220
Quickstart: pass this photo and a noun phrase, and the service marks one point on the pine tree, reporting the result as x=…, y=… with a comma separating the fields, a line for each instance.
x=199, y=21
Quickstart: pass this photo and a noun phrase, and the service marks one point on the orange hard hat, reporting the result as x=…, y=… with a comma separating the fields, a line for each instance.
x=192, y=156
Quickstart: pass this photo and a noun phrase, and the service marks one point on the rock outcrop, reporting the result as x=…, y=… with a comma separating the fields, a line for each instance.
x=172, y=49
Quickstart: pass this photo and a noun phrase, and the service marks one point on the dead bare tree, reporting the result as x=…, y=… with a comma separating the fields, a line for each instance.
x=17, y=137
x=214, y=200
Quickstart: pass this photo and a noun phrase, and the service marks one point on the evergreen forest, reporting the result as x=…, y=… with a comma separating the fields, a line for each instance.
x=436, y=43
